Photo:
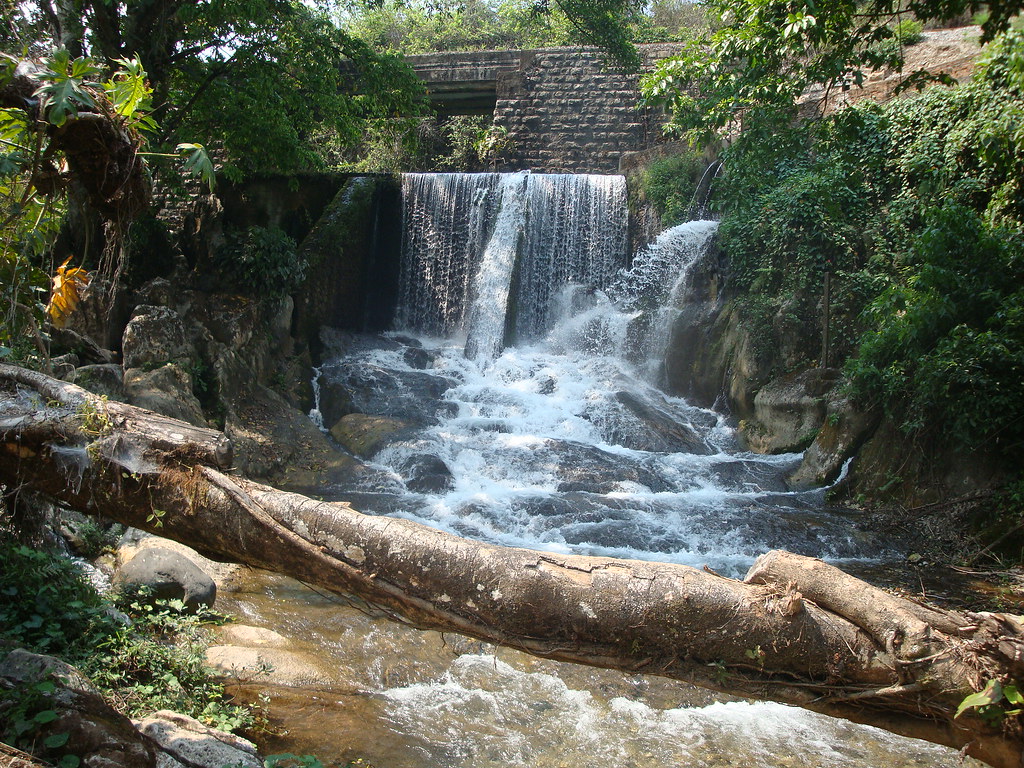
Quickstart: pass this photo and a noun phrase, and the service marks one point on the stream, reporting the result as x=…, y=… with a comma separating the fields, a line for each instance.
x=520, y=394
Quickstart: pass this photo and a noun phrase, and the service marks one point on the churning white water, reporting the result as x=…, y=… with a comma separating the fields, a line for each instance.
x=547, y=431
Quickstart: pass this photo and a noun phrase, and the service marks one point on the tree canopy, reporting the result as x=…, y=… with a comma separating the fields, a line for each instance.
x=273, y=83
x=766, y=53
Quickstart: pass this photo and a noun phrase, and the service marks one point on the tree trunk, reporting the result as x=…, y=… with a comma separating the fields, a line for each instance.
x=795, y=630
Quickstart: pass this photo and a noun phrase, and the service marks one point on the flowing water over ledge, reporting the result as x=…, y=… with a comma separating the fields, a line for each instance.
x=525, y=411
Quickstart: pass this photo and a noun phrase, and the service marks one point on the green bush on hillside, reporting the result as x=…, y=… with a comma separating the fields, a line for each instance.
x=916, y=208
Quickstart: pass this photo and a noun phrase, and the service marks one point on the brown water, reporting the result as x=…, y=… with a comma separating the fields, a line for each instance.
x=401, y=698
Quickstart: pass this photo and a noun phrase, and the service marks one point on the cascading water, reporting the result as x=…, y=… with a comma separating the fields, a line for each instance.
x=485, y=329
x=473, y=229
x=575, y=235
x=562, y=442
x=445, y=218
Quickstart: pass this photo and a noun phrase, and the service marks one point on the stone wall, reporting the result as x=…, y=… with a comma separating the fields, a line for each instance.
x=565, y=110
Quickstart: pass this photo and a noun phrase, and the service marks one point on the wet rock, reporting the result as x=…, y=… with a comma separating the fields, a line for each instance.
x=102, y=379
x=99, y=735
x=272, y=666
x=741, y=476
x=168, y=575
x=844, y=430
x=426, y=473
x=278, y=443
x=166, y=390
x=359, y=387
x=657, y=428
x=789, y=412
x=251, y=637
x=191, y=743
x=417, y=357
x=155, y=336
x=366, y=435
x=588, y=469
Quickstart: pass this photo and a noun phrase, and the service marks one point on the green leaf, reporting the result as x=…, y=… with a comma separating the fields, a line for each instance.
x=69, y=761
x=197, y=162
x=46, y=716
x=63, y=86
x=992, y=693
x=56, y=740
x=128, y=90
x=1013, y=695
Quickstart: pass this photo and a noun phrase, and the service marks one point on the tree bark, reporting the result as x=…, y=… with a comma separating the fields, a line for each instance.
x=796, y=630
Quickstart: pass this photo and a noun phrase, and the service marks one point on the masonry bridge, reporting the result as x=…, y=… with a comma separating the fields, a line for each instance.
x=566, y=110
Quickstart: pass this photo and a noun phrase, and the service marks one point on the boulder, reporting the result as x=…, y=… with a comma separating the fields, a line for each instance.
x=102, y=379
x=168, y=575
x=789, y=412
x=426, y=473
x=844, y=430
x=365, y=435
x=155, y=336
x=273, y=666
x=356, y=386
x=190, y=743
x=251, y=637
x=276, y=442
x=657, y=428
x=166, y=390
x=228, y=577
x=588, y=469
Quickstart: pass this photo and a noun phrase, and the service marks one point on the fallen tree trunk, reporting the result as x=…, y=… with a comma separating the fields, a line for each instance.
x=795, y=630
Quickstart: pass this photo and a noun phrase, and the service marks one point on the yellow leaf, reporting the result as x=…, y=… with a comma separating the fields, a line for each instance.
x=68, y=286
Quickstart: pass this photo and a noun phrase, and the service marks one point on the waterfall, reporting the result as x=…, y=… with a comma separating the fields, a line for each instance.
x=654, y=288
x=445, y=219
x=494, y=250
x=576, y=235
x=485, y=327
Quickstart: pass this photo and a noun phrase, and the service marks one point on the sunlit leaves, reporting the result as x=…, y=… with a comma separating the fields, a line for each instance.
x=69, y=283
x=8, y=66
x=131, y=94
x=197, y=162
x=769, y=52
x=65, y=82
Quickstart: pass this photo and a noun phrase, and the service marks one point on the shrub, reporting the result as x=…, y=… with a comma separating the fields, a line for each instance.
x=670, y=185
x=261, y=261
x=153, y=661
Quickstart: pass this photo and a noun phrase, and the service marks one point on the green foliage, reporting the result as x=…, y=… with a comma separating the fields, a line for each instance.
x=908, y=31
x=946, y=340
x=764, y=54
x=261, y=261
x=425, y=27
x=273, y=84
x=411, y=28
x=65, y=86
x=460, y=143
x=993, y=703
x=670, y=184
x=47, y=607
x=915, y=210
x=154, y=661
x=27, y=709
